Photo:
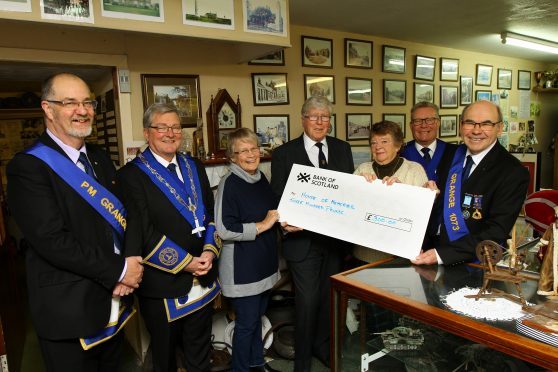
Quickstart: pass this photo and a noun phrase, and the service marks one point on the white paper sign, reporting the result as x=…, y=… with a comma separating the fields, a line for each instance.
x=391, y=219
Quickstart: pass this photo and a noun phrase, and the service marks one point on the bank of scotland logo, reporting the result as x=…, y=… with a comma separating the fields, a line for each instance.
x=303, y=177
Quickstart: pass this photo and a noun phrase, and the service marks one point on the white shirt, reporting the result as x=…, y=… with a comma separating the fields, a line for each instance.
x=432, y=148
x=166, y=163
x=312, y=150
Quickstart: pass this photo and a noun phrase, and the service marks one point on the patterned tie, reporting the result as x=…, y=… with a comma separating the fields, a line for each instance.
x=426, y=157
x=321, y=156
x=86, y=164
x=467, y=169
x=172, y=168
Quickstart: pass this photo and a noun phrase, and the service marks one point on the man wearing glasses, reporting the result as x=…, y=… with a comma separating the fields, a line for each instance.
x=170, y=224
x=483, y=190
x=59, y=190
x=425, y=148
x=312, y=258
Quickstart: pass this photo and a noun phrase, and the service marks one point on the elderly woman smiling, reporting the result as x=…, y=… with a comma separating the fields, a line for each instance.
x=245, y=218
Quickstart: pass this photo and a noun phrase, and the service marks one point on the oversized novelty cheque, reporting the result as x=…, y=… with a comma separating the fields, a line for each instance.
x=392, y=219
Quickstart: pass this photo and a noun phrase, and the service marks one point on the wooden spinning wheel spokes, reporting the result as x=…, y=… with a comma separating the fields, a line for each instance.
x=489, y=252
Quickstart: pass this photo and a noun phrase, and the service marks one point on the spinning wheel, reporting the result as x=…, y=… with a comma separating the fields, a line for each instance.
x=489, y=253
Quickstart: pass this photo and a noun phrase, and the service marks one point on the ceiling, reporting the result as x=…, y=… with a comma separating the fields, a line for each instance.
x=472, y=25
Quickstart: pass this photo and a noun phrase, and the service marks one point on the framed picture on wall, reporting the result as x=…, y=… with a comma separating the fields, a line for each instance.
x=396, y=118
x=504, y=78
x=319, y=85
x=449, y=69
x=359, y=91
x=358, y=126
x=393, y=59
x=465, y=90
x=424, y=68
x=183, y=91
x=361, y=154
x=272, y=130
x=195, y=12
x=523, y=80
x=448, y=96
x=270, y=89
x=484, y=75
x=270, y=21
x=358, y=53
x=485, y=95
x=317, y=52
x=332, y=131
x=273, y=59
x=448, y=125
x=423, y=92
x=395, y=92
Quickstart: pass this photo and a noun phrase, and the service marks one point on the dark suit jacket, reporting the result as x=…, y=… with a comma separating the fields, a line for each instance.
x=71, y=265
x=340, y=158
x=501, y=182
x=150, y=216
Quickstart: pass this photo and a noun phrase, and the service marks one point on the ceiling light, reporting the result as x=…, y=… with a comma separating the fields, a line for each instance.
x=529, y=42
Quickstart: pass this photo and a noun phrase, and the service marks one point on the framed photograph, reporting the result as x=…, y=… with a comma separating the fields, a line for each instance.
x=134, y=10
x=448, y=125
x=183, y=91
x=265, y=16
x=484, y=75
x=531, y=161
x=317, y=52
x=274, y=59
x=81, y=12
x=272, y=130
x=358, y=126
x=465, y=90
x=449, y=69
x=16, y=5
x=319, y=85
x=332, y=131
x=424, y=68
x=395, y=92
x=359, y=91
x=270, y=89
x=358, y=53
x=208, y=13
x=448, y=96
x=423, y=92
x=523, y=80
x=396, y=118
x=393, y=59
x=504, y=78
x=483, y=95
x=361, y=154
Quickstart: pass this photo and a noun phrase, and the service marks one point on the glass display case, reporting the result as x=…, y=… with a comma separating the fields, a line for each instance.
x=402, y=324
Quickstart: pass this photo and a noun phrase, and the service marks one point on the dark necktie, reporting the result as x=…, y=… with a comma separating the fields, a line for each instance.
x=426, y=157
x=321, y=156
x=467, y=169
x=172, y=168
x=86, y=164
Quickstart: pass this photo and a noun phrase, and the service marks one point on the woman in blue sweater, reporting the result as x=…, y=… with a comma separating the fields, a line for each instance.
x=245, y=217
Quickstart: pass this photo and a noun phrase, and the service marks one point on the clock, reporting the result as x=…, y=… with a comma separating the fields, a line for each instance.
x=223, y=117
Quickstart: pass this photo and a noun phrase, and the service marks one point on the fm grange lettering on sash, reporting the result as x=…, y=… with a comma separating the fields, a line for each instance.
x=451, y=203
x=106, y=203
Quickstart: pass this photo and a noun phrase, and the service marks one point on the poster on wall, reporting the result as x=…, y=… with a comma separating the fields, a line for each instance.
x=67, y=10
x=265, y=16
x=141, y=11
x=15, y=5
x=208, y=13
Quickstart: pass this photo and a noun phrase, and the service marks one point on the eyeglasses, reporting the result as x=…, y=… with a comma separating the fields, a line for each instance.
x=72, y=105
x=485, y=125
x=253, y=150
x=314, y=118
x=427, y=121
x=176, y=129
x=382, y=142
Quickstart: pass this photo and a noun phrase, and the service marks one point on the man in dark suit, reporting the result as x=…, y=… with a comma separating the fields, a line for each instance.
x=483, y=190
x=425, y=148
x=74, y=263
x=170, y=223
x=312, y=258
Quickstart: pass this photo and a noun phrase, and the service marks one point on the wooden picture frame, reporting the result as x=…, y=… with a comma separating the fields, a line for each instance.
x=395, y=92
x=448, y=96
x=272, y=59
x=425, y=68
x=483, y=95
x=272, y=130
x=270, y=89
x=361, y=154
x=332, y=131
x=523, y=80
x=358, y=126
x=396, y=118
x=183, y=91
x=423, y=92
x=504, y=78
x=465, y=90
x=483, y=75
x=317, y=52
x=319, y=85
x=449, y=69
x=359, y=91
x=393, y=59
x=359, y=53
x=448, y=126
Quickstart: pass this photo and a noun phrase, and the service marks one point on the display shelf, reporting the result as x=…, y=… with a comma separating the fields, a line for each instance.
x=545, y=90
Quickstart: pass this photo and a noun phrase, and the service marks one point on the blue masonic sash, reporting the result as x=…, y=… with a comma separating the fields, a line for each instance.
x=410, y=152
x=197, y=298
x=453, y=217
